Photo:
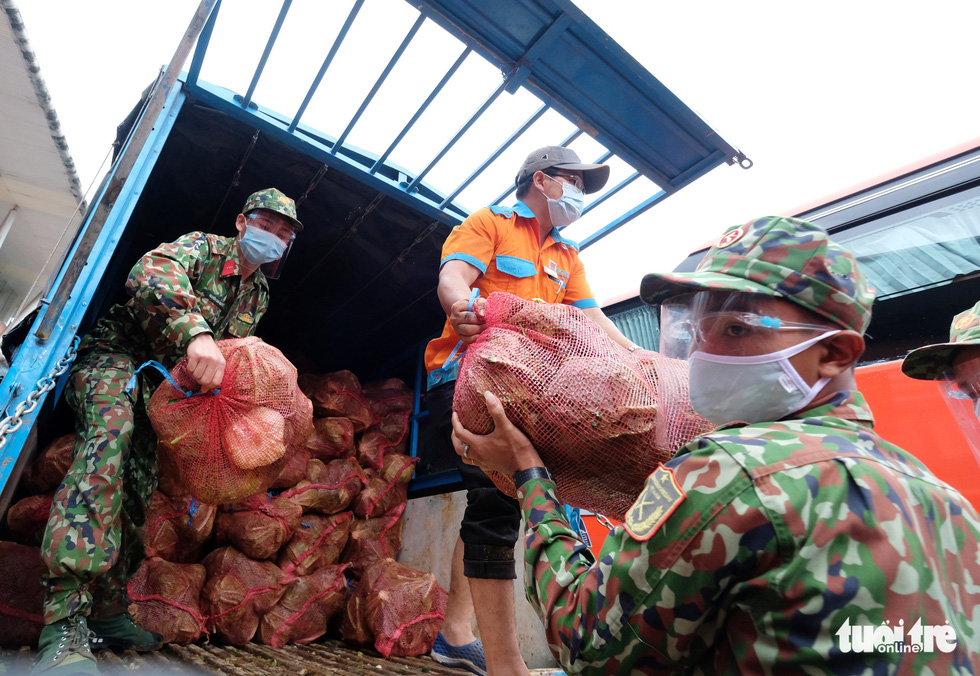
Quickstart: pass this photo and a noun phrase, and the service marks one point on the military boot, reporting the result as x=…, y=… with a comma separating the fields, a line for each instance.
x=121, y=631
x=64, y=650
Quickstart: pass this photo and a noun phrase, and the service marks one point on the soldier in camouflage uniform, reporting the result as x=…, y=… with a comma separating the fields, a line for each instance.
x=185, y=295
x=793, y=541
x=955, y=366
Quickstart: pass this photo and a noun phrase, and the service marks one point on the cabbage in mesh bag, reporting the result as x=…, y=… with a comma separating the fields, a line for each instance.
x=228, y=444
x=601, y=418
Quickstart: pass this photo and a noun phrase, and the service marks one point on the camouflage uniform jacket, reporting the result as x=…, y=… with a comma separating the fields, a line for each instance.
x=178, y=291
x=761, y=542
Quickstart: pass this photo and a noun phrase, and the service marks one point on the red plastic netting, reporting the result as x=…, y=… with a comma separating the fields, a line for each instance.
x=259, y=525
x=49, y=468
x=21, y=595
x=27, y=518
x=166, y=599
x=387, y=490
x=403, y=608
x=331, y=438
x=303, y=612
x=318, y=542
x=601, y=418
x=238, y=592
x=328, y=488
x=229, y=445
x=177, y=528
x=339, y=394
x=374, y=539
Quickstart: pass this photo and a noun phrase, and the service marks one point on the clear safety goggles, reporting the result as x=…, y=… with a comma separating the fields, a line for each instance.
x=257, y=219
x=724, y=322
x=960, y=388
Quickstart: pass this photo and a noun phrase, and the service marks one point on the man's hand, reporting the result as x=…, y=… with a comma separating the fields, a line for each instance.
x=205, y=362
x=468, y=325
x=505, y=450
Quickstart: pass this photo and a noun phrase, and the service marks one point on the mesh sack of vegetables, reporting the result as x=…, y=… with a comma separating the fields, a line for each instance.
x=166, y=599
x=177, y=528
x=389, y=396
x=601, y=418
x=318, y=542
x=230, y=443
x=353, y=624
x=403, y=608
x=49, y=468
x=238, y=592
x=387, y=490
x=27, y=518
x=339, y=394
x=331, y=438
x=299, y=425
x=259, y=525
x=390, y=435
x=293, y=468
x=328, y=488
x=306, y=608
x=21, y=595
x=373, y=539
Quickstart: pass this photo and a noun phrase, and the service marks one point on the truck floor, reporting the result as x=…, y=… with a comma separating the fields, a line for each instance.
x=330, y=657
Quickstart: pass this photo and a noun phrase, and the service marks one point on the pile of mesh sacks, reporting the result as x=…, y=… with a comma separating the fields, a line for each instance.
x=277, y=518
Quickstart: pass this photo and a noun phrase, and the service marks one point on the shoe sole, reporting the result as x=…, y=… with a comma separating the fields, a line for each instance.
x=457, y=663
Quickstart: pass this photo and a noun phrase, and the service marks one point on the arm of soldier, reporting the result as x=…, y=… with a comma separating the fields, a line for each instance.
x=162, y=280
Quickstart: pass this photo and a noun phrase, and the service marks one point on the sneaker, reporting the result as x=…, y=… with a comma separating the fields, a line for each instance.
x=469, y=656
x=121, y=631
x=64, y=650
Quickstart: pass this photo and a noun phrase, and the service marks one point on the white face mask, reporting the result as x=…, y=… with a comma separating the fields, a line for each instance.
x=567, y=208
x=759, y=388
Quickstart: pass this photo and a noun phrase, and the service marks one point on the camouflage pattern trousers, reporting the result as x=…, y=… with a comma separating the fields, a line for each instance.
x=93, y=541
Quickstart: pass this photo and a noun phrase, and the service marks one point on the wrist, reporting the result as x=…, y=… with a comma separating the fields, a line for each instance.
x=522, y=476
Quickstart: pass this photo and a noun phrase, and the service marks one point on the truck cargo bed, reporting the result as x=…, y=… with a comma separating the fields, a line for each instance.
x=328, y=657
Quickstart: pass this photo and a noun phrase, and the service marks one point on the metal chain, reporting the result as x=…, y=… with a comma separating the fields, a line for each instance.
x=605, y=522
x=13, y=422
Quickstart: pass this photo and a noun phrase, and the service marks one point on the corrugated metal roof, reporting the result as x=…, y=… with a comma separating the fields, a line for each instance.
x=39, y=188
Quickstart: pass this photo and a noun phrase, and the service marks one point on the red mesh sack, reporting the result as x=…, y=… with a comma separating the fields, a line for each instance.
x=331, y=438
x=328, y=488
x=21, y=595
x=238, y=592
x=168, y=473
x=166, y=599
x=389, y=396
x=259, y=525
x=299, y=425
x=388, y=436
x=294, y=468
x=51, y=465
x=27, y=518
x=403, y=608
x=304, y=611
x=228, y=445
x=382, y=494
x=373, y=539
x=340, y=395
x=353, y=624
x=601, y=418
x=177, y=528
x=318, y=542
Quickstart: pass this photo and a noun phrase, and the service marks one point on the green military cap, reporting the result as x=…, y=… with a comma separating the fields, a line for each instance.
x=273, y=200
x=781, y=257
x=929, y=362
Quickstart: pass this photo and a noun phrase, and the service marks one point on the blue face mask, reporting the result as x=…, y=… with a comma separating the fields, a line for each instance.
x=260, y=246
x=566, y=209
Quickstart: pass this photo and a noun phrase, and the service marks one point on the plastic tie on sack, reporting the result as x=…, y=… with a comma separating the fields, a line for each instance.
x=192, y=509
x=166, y=374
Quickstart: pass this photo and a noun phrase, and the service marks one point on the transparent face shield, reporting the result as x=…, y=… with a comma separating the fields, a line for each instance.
x=726, y=322
x=279, y=227
x=960, y=389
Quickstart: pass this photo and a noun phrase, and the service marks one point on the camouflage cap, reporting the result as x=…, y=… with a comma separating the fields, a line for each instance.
x=782, y=257
x=273, y=200
x=929, y=362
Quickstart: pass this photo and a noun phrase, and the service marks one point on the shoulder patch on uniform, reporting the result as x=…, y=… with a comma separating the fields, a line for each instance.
x=229, y=268
x=660, y=497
